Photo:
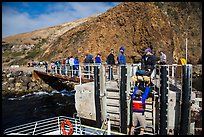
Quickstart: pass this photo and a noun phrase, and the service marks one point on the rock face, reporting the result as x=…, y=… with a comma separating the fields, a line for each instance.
x=134, y=25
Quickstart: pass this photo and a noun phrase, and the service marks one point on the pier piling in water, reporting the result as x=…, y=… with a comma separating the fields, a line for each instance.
x=164, y=100
x=186, y=96
x=97, y=96
x=123, y=101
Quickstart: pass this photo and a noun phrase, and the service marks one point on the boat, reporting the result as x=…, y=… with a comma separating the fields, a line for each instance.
x=61, y=125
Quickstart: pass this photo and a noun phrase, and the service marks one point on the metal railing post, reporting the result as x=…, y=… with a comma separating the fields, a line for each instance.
x=55, y=69
x=173, y=73
x=66, y=70
x=60, y=70
x=80, y=74
x=109, y=127
x=89, y=71
x=58, y=124
x=72, y=70
x=35, y=128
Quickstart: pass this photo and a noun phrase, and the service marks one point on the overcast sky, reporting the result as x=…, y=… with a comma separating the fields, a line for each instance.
x=20, y=17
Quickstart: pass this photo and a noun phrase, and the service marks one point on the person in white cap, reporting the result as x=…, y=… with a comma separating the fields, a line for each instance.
x=162, y=60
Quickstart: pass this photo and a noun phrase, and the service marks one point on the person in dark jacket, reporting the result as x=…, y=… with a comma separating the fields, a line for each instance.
x=46, y=66
x=138, y=107
x=88, y=60
x=148, y=62
x=110, y=61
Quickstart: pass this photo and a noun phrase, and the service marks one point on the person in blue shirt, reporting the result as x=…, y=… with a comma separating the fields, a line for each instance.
x=98, y=59
x=121, y=57
x=138, y=107
x=76, y=66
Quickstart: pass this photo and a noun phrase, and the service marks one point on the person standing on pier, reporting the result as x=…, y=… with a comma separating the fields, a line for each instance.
x=162, y=60
x=121, y=57
x=87, y=61
x=98, y=59
x=148, y=63
x=138, y=107
x=110, y=61
x=71, y=63
x=76, y=66
x=46, y=66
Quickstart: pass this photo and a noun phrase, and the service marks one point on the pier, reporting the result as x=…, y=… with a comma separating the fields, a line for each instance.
x=168, y=107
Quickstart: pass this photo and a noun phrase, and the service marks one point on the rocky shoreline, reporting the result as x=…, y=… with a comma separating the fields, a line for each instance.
x=18, y=82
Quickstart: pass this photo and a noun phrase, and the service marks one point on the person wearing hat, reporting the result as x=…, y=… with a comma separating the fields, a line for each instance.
x=148, y=63
x=121, y=57
x=138, y=108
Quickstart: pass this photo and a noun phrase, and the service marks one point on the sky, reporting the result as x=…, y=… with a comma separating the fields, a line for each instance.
x=20, y=17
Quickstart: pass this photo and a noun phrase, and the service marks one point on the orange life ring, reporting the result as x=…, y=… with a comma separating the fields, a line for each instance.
x=69, y=124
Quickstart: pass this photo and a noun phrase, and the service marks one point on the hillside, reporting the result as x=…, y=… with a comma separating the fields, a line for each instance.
x=134, y=25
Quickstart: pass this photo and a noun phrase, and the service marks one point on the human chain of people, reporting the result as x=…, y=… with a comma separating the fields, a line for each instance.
x=71, y=64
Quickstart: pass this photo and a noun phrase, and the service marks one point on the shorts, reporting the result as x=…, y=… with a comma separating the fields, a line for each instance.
x=138, y=117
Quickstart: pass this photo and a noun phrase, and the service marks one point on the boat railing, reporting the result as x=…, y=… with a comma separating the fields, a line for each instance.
x=52, y=126
x=105, y=128
x=77, y=123
x=44, y=126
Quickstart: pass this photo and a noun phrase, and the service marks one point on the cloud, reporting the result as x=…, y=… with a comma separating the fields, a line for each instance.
x=15, y=21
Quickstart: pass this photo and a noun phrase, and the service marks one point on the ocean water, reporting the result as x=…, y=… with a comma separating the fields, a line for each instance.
x=36, y=106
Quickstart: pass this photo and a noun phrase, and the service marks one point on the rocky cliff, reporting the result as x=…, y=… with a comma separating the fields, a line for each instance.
x=134, y=25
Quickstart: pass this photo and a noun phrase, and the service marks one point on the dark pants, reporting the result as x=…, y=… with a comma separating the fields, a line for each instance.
x=86, y=69
x=46, y=68
x=110, y=73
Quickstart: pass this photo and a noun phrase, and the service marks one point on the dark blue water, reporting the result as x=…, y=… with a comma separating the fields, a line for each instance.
x=36, y=106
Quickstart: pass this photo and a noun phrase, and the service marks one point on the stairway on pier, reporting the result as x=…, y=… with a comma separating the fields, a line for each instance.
x=113, y=107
